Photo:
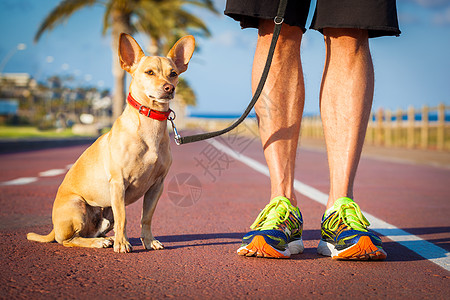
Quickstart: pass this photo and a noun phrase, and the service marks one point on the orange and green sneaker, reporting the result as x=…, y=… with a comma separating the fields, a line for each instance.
x=344, y=234
x=276, y=232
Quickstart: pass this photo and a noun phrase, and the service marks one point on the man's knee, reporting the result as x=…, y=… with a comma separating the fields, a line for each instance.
x=350, y=39
x=288, y=32
x=354, y=33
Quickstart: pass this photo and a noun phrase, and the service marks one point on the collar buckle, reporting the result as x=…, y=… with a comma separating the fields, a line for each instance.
x=141, y=110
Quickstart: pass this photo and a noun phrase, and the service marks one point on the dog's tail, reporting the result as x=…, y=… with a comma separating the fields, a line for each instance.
x=41, y=238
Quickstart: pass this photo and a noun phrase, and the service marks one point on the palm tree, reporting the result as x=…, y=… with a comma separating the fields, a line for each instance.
x=162, y=20
x=167, y=21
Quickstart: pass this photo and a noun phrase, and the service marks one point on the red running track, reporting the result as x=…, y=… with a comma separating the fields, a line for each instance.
x=209, y=201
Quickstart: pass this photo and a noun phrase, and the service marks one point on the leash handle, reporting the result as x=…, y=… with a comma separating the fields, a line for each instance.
x=278, y=20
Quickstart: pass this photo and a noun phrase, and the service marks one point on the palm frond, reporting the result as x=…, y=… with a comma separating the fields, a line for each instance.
x=191, y=22
x=106, y=16
x=165, y=21
x=150, y=19
x=126, y=7
x=186, y=93
x=60, y=13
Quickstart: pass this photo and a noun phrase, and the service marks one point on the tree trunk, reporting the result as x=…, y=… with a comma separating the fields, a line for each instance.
x=152, y=48
x=120, y=23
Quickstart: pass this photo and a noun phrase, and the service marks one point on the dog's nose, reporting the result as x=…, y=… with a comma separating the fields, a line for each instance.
x=169, y=88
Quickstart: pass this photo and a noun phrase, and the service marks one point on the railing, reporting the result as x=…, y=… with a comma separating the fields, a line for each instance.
x=426, y=128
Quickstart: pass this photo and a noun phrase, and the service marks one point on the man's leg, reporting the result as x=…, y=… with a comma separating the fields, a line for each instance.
x=280, y=107
x=278, y=229
x=346, y=99
x=345, y=104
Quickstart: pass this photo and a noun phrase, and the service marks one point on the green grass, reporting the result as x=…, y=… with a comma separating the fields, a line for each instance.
x=22, y=132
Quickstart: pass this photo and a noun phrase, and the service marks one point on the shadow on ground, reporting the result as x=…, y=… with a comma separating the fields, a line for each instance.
x=396, y=252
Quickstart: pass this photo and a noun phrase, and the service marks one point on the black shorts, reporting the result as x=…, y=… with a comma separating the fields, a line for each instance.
x=379, y=17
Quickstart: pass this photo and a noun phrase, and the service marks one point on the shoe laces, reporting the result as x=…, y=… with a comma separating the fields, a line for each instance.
x=275, y=213
x=350, y=214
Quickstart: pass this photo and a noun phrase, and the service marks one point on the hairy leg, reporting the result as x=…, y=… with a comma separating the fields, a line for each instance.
x=280, y=107
x=346, y=99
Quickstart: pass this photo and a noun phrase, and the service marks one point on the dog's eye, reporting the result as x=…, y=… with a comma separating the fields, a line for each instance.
x=150, y=72
x=173, y=74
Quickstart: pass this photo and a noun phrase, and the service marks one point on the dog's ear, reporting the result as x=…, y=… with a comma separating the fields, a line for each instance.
x=130, y=53
x=182, y=51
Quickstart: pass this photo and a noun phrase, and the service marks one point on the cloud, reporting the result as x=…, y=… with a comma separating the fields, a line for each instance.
x=433, y=3
x=430, y=3
x=431, y=12
x=235, y=39
x=442, y=18
x=226, y=38
x=219, y=4
x=408, y=18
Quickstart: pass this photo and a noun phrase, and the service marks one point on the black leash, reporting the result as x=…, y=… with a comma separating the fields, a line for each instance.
x=279, y=19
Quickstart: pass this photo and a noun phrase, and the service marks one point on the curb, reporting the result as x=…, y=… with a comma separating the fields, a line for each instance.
x=23, y=145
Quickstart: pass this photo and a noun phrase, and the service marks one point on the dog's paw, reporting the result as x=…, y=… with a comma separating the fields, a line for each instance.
x=122, y=246
x=103, y=243
x=108, y=243
x=156, y=245
x=152, y=244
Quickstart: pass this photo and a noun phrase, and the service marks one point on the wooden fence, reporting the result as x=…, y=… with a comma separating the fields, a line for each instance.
x=426, y=128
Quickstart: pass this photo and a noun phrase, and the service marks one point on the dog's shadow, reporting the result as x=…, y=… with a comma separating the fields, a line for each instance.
x=194, y=240
x=206, y=239
x=172, y=242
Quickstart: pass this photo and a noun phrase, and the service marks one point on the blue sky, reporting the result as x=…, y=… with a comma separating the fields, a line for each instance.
x=413, y=69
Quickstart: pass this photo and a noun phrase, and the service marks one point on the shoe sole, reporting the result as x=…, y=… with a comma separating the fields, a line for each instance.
x=363, y=250
x=260, y=248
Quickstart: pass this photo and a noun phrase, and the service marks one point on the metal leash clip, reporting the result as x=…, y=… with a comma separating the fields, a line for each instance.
x=176, y=136
x=278, y=20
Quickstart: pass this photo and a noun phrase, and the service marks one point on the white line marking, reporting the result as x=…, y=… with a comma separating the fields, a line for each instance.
x=28, y=180
x=53, y=172
x=20, y=181
x=428, y=250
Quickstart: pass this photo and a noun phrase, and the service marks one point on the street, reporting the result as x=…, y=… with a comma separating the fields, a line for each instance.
x=213, y=192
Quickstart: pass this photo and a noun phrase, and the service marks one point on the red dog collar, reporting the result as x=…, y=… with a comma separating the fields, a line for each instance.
x=147, y=111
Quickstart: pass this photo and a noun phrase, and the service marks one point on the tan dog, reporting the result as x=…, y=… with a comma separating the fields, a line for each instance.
x=125, y=164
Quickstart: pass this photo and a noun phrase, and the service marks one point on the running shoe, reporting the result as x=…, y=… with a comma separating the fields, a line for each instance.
x=345, y=234
x=276, y=232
